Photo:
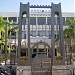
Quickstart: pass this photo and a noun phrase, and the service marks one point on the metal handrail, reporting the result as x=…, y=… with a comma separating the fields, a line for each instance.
x=65, y=69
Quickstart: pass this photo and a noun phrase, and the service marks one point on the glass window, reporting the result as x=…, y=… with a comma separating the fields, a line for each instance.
x=23, y=52
x=55, y=20
x=13, y=35
x=49, y=34
x=63, y=20
x=41, y=20
x=14, y=19
x=34, y=50
x=72, y=18
x=5, y=18
x=41, y=50
x=41, y=33
x=49, y=20
x=34, y=33
x=30, y=33
x=23, y=34
x=38, y=33
x=32, y=20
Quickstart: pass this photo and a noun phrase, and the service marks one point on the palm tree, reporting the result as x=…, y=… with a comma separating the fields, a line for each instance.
x=68, y=32
x=68, y=37
x=2, y=30
x=2, y=33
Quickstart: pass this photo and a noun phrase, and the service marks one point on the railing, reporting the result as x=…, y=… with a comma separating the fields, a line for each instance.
x=61, y=72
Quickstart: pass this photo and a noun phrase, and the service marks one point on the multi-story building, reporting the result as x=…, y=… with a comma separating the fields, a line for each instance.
x=40, y=25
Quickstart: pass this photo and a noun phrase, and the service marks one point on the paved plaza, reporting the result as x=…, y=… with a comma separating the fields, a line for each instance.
x=56, y=70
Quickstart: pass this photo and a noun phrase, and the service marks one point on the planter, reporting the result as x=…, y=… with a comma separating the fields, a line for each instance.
x=23, y=58
x=59, y=58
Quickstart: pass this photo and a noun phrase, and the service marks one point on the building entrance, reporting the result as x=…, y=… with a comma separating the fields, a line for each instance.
x=40, y=48
x=55, y=11
x=41, y=62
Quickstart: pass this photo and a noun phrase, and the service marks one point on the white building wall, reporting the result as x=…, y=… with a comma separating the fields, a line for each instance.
x=36, y=27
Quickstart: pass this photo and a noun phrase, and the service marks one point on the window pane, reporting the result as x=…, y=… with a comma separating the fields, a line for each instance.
x=32, y=20
x=72, y=18
x=63, y=20
x=33, y=33
x=5, y=18
x=49, y=20
x=14, y=19
x=13, y=35
x=41, y=20
x=23, y=34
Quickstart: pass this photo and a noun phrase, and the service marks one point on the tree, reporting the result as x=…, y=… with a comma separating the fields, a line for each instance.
x=2, y=30
x=2, y=35
x=68, y=32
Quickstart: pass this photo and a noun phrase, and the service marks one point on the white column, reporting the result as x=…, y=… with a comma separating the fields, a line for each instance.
x=46, y=27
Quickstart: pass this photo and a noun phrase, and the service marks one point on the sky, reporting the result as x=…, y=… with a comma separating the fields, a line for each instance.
x=13, y=5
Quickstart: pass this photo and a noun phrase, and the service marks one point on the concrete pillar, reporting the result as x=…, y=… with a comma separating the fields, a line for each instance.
x=52, y=35
x=19, y=35
x=56, y=9
x=36, y=27
x=24, y=9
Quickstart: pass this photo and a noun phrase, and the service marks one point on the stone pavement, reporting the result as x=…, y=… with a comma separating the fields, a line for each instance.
x=65, y=70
